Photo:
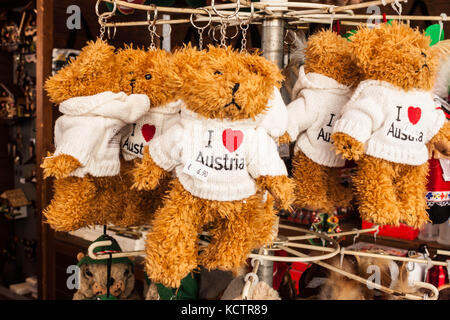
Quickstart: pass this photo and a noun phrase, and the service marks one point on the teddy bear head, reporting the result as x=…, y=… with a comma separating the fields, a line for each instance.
x=222, y=83
x=93, y=71
x=396, y=54
x=149, y=72
x=330, y=54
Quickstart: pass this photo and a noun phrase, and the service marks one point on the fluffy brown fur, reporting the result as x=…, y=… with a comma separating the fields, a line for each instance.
x=76, y=202
x=319, y=187
x=111, y=199
x=61, y=167
x=330, y=54
x=136, y=67
x=237, y=227
x=390, y=193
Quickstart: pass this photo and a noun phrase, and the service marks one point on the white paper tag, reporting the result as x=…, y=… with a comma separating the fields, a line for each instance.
x=197, y=170
x=114, y=138
x=283, y=150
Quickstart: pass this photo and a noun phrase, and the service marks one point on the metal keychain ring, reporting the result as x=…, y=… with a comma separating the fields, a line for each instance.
x=111, y=13
x=238, y=7
x=237, y=32
x=209, y=22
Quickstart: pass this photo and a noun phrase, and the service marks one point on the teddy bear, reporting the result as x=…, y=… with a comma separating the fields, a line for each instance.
x=150, y=73
x=93, y=275
x=389, y=122
x=86, y=162
x=221, y=157
x=323, y=87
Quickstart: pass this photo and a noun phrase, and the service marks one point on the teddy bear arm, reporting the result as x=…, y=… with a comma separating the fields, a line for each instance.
x=59, y=166
x=349, y=147
x=281, y=188
x=147, y=174
x=439, y=145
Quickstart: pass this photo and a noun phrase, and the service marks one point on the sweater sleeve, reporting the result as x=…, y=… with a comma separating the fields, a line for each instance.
x=363, y=114
x=275, y=120
x=166, y=149
x=263, y=157
x=78, y=136
x=300, y=117
x=436, y=125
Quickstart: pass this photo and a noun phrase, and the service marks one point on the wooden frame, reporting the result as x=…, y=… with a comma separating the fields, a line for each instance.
x=44, y=138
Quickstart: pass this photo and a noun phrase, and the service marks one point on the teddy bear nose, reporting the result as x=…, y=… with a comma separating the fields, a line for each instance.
x=235, y=88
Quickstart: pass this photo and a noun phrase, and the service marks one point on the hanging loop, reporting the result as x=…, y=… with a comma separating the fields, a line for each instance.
x=201, y=29
x=234, y=14
x=152, y=26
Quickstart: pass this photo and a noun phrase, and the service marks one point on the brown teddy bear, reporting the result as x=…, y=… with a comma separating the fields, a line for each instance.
x=221, y=157
x=93, y=275
x=150, y=73
x=324, y=86
x=86, y=163
x=389, y=122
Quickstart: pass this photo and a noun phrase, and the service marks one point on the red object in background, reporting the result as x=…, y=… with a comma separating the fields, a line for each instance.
x=296, y=270
x=401, y=232
x=437, y=276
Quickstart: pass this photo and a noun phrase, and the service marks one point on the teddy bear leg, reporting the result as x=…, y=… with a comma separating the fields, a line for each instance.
x=236, y=233
x=172, y=243
x=340, y=195
x=376, y=196
x=411, y=190
x=72, y=204
x=311, y=184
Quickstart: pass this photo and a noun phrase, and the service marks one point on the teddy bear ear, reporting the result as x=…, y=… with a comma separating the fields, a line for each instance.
x=261, y=66
x=96, y=59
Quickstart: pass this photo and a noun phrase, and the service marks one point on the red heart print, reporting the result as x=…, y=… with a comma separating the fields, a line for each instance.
x=414, y=114
x=148, y=132
x=232, y=139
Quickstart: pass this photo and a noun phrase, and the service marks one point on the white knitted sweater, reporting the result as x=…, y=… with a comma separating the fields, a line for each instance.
x=394, y=124
x=90, y=129
x=313, y=114
x=234, y=153
x=152, y=124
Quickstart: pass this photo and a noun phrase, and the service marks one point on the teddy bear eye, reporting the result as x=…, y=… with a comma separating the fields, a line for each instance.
x=88, y=273
x=148, y=76
x=126, y=272
x=218, y=72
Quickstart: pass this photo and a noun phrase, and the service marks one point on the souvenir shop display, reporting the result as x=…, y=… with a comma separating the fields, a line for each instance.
x=233, y=150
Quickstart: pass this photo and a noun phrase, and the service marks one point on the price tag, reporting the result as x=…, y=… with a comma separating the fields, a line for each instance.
x=283, y=150
x=197, y=170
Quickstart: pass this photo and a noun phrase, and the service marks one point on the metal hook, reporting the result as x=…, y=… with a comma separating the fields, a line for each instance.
x=356, y=236
x=376, y=233
x=397, y=6
x=114, y=33
x=441, y=25
x=238, y=7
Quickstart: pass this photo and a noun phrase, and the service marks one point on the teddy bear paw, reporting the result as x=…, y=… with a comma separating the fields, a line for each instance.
x=349, y=147
x=60, y=166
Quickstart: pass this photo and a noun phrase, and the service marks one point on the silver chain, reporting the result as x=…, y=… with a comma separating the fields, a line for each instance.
x=152, y=30
x=244, y=38
x=223, y=33
x=200, y=39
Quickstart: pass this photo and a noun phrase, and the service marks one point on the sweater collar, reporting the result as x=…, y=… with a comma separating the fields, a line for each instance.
x=313, y=80
x=193, y=116
x=169, y=108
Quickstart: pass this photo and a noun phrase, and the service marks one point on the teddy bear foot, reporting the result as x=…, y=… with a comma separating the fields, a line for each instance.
x=381, y=216
x=414, y=218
